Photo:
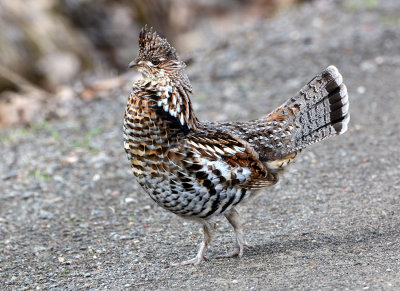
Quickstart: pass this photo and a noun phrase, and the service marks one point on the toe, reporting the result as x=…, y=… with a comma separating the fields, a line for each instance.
x=232, y=254
x=237, y=252
x=245, y=244
x=194, y=261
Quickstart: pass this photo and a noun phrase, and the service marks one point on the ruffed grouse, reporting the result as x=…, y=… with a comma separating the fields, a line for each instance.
x=199, y=169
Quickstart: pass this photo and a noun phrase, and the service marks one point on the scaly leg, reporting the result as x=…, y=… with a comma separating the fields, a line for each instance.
x=209, y=230
x=236, y=222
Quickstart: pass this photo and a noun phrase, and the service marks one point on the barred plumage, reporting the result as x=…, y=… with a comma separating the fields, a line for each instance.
x=199, y=169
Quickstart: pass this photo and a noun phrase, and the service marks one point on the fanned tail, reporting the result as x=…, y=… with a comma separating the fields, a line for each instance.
x=319, y=110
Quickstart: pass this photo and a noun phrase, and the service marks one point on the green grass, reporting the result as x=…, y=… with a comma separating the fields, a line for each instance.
x=390, y=20
x=62, y=273
x=87, y=139
x=84, y=140
x=16, y=134
x=12, y=136
x=355, y=5
x=41, y=175
x=92, y=133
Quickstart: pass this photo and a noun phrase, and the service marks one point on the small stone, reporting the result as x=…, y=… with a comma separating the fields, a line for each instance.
x=361, y=90
x=44, y=216
x=72, y=159
x=37, y=249
x=13, y=280
x=379, y=60
x=129, y=200
x=125, y=237
x=360, y=239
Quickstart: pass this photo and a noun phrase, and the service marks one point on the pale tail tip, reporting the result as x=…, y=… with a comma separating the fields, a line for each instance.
x=341, y=127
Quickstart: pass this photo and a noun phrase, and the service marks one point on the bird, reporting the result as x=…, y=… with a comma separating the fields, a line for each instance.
x=200, y=170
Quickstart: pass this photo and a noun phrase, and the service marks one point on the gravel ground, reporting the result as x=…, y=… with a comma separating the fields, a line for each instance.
x=72, y=217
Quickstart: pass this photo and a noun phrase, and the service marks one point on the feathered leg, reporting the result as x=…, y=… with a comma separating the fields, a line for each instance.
x=236, y=222
x=209, y=230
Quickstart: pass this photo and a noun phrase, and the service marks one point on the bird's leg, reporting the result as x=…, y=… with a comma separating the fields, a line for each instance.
x=236, y=222
x=209, y=230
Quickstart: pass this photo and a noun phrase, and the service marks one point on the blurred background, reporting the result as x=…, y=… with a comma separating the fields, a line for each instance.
x=61, y=49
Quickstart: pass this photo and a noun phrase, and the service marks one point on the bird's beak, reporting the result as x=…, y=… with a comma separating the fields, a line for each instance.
x=133, y=64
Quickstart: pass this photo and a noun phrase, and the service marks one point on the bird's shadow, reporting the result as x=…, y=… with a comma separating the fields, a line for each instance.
x=314, y=240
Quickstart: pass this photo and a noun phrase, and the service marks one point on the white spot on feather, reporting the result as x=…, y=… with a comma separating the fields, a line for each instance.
x=182, y=119
x=218, y=150
x=239, y=149
x=166, y=107
x=202, y=146
x=173, y=113
x=218, y=187
x=210, y=148
x=229, y=150
x=222, y=166
x=243, y=175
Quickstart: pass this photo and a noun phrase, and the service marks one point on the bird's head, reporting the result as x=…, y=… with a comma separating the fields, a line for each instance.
x=157, y=59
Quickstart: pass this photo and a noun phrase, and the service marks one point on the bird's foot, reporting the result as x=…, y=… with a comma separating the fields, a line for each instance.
x=209, y=229
x=237, y=252
x=195, y=261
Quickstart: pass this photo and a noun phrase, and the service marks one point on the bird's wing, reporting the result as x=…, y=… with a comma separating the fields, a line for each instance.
x=218, y=159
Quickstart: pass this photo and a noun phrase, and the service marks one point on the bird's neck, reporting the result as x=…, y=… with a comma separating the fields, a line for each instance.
x=172, y=96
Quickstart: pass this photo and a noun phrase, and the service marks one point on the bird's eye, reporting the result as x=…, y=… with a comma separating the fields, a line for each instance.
x=156, y=61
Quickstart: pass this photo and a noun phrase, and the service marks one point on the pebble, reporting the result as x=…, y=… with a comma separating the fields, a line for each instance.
x=125, y=237
x=361, y=90
x=129, y=200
